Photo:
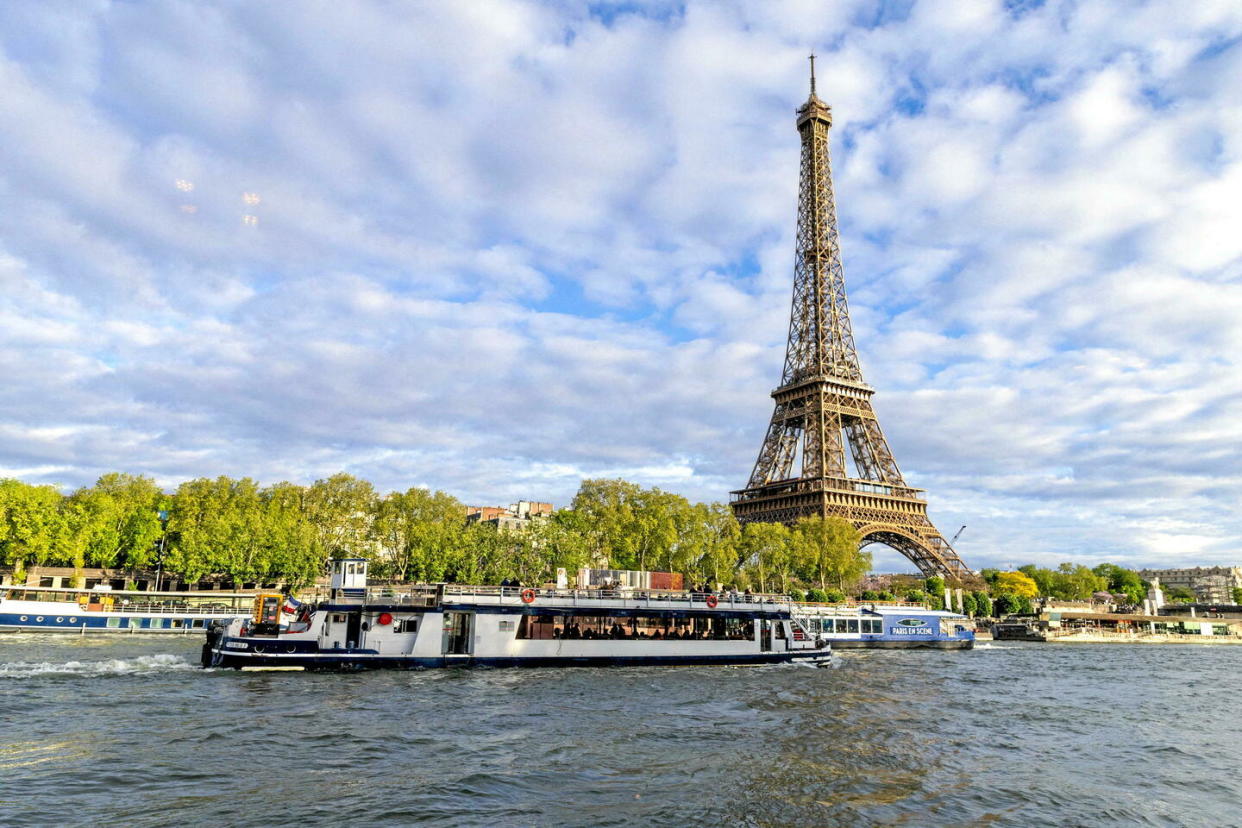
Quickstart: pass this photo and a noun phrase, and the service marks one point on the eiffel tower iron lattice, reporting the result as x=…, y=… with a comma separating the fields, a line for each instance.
x=823, y=405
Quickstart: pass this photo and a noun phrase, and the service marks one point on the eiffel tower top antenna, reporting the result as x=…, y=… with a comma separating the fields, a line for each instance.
x=812, y=74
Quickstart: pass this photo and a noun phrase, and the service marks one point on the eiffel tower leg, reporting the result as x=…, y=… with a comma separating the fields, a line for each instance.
x=776, y=456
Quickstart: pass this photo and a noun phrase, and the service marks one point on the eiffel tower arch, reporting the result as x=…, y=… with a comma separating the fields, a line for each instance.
x=823, y=408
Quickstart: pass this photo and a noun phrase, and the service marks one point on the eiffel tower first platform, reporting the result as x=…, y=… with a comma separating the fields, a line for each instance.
x=823, y=405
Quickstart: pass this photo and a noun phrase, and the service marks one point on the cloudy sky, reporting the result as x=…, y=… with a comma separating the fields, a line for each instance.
x=495, y=247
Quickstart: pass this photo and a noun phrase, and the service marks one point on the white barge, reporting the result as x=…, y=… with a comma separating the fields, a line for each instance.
x=105, y=610
x=447, y=625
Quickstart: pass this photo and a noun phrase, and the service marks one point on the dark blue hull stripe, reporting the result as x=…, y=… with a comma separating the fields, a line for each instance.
x=347, y=662
x=123, y=623
x=902, y=644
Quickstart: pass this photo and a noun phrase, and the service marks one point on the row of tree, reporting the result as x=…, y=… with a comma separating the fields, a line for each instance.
x=286, y=532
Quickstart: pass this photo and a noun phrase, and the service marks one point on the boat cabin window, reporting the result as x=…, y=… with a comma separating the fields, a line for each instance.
x=406, y=625
x=659, y=628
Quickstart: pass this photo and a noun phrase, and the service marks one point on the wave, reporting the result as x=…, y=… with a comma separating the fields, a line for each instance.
x=159, y=663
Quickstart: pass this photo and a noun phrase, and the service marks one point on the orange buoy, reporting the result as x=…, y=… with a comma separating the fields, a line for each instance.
x=385, y=618
x=711, y=601
x=528, y=595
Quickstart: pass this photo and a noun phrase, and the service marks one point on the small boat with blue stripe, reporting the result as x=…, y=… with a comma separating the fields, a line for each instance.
x=354, y=627
x=889, y=627
x=105, y=610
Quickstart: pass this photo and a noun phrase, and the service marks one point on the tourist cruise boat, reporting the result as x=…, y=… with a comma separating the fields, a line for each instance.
x=886, y=626
x=445, y=625
x=105, y=610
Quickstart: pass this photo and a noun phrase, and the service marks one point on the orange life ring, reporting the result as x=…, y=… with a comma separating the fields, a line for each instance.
x=385, y=618
x=528, y=596
x=711, y=601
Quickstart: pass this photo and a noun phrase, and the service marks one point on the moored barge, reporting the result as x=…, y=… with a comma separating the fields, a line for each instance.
x=444, y=625
x=887, y=627
x=104, y=610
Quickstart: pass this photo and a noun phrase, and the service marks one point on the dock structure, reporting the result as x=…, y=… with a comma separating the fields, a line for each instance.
x=1083, y=626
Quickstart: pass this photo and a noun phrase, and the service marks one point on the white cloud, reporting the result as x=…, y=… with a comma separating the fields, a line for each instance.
x=501, y=246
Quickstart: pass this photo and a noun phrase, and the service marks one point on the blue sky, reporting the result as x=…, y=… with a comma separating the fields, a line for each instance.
x=495, y=247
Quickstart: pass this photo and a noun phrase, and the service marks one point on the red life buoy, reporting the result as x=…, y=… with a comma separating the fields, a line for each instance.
x=385, y=618
x=711, y=601
x=528, y=595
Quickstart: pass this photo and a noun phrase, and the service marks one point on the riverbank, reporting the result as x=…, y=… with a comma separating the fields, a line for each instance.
x=1097, y=637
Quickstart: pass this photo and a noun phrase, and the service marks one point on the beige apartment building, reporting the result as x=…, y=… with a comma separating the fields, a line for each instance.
x=1212, y=584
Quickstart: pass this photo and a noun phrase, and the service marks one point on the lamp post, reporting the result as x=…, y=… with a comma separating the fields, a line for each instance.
x=159, y=558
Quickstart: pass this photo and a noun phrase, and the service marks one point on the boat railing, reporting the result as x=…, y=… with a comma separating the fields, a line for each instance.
x=801, y=636
x=430, y=595
x=626, y=596
x=827, y=605
x=111, y=602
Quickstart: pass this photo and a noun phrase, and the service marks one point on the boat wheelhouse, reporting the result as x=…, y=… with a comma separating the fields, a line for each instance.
x=881, y=626
x=447, y=625
x=102, y=609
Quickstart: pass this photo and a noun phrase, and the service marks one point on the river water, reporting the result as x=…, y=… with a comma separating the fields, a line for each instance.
x=98, y=730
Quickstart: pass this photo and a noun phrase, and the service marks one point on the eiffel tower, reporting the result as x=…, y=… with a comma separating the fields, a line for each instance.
x=822, y=403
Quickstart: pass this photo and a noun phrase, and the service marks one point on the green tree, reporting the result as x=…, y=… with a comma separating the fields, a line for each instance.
x=30, y=523
x=1237, y=595
x=1180, y=595
x=1075, y=582
x=718, y=533
x=1042, y=578
x=562, y=543
x=341, y=509
x=969, y=605
x=118, y=519
x=916, y=596
x=826, y=550
x=217, y=526
x=1016, y=583
x=983, y=604
x=1123, y=581
x=606, y=510
x=416, y=532
x=291, y=545
x=765, y=549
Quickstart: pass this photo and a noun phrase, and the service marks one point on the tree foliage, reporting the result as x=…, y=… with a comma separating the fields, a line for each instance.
x=1068, y=582
x=1122, y=581
x=826, y=550
x=1016, y=583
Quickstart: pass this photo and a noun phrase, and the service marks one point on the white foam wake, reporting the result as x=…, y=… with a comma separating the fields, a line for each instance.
x=161, y=662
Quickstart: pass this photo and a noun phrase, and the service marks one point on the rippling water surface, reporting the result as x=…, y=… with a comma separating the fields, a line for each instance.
x=130, y=731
